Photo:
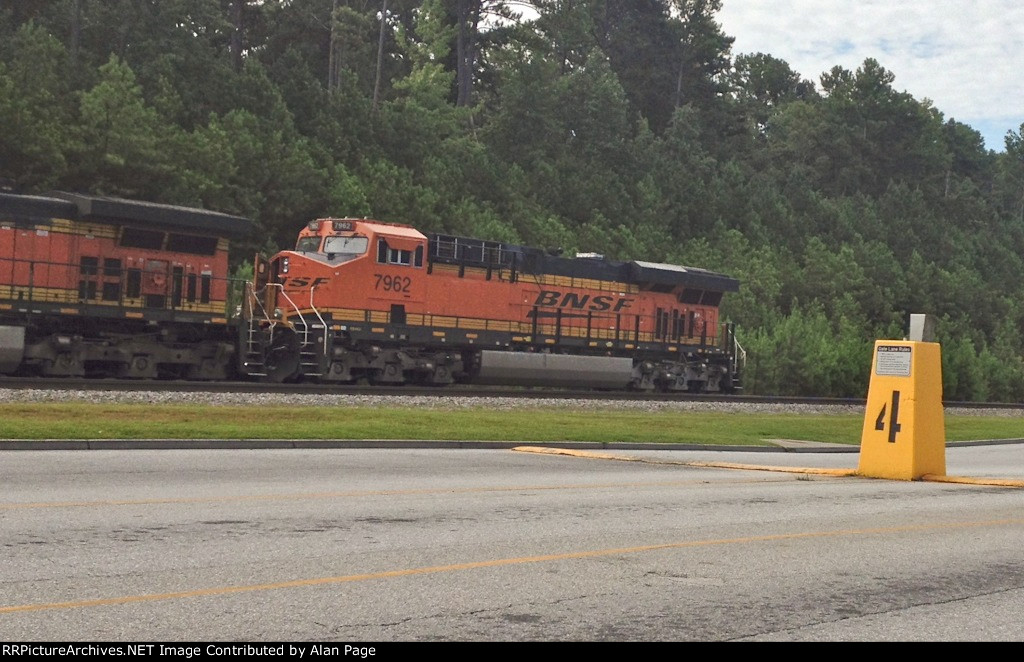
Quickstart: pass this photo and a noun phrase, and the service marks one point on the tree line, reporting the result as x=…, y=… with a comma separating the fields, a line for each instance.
x=623, y=127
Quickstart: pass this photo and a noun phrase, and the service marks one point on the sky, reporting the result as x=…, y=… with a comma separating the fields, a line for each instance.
x=966, y=56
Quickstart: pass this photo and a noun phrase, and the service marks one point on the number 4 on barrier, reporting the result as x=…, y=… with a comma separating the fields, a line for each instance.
x=905, y=401
x=894, y=425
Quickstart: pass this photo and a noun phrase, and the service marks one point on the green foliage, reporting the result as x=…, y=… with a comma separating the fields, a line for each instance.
x=806, y=353
x=122, y=138
x=240, y=277
x=37, y=132
x=626, y=128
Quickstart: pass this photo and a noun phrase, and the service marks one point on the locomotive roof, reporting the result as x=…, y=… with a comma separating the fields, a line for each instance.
x=120, y=210
x=538, y=261
x=638, y=272
x=35, y=207
x=393, y=229
x=672, y=274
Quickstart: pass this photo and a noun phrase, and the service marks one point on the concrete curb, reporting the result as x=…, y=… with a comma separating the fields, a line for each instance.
x=778, y=445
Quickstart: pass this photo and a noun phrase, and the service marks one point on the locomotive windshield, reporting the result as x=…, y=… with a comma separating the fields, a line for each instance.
x=350, y=245
x=335, y=249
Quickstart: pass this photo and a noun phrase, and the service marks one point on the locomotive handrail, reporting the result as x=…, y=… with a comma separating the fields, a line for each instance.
x=252, y=295
x=287, y=298
x=319, y=316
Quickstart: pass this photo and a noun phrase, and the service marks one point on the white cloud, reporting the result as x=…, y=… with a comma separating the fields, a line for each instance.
x=966, y=57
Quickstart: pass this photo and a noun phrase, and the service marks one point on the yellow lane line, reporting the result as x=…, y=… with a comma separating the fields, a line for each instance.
x=495, y=563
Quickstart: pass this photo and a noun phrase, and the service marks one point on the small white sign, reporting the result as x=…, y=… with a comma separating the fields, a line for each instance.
x=893, y=360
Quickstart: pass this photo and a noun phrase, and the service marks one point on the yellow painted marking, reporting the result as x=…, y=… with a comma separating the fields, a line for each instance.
x=438, y=334
x=965, y=480
x=134, y=315
x=494, y=563
x=39, y=293
x=64, y=226
x=685, y=463
x=69, y=311
x=933, y=478
x=348, y=315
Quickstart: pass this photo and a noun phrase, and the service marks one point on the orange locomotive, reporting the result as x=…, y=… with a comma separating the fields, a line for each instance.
x=99, y=286
x=360, y=298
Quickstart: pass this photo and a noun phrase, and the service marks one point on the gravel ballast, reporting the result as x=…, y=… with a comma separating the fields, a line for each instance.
x=9, y=396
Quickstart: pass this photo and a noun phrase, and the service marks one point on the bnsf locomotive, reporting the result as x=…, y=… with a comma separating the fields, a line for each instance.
x=99, y=286
x=360, y=298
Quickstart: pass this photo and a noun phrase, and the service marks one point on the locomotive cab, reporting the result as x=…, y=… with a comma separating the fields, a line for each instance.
x=332, y=241
x=311, y=298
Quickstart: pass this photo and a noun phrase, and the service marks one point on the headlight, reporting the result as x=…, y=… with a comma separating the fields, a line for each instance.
x=278, y=314
x=284, y=265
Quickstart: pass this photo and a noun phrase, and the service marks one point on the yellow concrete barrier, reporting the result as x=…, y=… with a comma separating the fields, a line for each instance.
x=904, y=434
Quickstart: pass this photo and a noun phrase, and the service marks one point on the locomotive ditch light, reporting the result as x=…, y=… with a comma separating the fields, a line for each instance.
x=278, y=314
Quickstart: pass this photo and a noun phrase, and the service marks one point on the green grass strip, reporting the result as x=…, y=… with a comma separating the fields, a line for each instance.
x=148, y=421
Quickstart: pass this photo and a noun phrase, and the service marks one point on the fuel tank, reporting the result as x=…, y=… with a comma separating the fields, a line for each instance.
x=565, y=370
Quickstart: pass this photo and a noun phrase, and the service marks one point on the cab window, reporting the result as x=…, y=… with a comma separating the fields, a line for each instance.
x=396, y=256
x=308, y=244
x=388, y=255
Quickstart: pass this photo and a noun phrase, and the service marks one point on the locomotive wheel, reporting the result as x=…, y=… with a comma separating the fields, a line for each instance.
x=281, y=361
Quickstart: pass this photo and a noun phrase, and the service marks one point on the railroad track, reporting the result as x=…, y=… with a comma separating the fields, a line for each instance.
x=176, y=386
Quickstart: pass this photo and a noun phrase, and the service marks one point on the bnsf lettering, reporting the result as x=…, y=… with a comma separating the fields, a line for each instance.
x=581, y=301
x=302, y=281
